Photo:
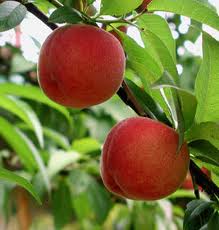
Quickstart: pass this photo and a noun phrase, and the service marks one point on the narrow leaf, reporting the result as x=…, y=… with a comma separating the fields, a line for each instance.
x=12, y=177
x=38, y=160
x=214, y=221
x=140, y=60
x=18, y=144
x=115, y=7
x=174, y=105
x=24, y=112
x=59, y=160
x=159, y=26
x=57, y=137
x=61, y=205
x=33, y=93
x=205, y=131
x=11, y=14
x=204, y=151
x=187, y=99
x=65, y=14
x=197, y=214
x=207, y=83
x=147, y=102
x=86, y=145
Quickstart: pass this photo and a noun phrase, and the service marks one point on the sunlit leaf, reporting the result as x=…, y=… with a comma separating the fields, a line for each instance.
x=191, y=8
x=11, y=14
x=13, y=178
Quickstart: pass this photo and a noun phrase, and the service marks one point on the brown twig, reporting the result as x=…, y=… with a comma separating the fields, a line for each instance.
x=129, y=99
x=127, y=96
x=23, y=209
x=35, y=11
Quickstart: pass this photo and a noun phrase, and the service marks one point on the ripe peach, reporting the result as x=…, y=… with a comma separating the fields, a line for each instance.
x=143, y=6
x=188, y=185
x=140, y=160
x=80, y=65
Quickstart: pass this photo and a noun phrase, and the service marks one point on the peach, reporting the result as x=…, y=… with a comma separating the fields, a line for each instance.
x=143, y=6
x=80, y=65
x=140, y=161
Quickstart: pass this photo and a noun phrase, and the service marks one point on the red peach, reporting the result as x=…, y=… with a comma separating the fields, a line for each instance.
x=80, y=65
x=140, y=160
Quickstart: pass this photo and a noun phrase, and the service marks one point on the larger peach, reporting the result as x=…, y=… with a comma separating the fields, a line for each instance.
x=140, y=160
x=80, y=65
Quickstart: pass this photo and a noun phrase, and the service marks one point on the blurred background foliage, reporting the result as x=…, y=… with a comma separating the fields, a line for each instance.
x=65, y=144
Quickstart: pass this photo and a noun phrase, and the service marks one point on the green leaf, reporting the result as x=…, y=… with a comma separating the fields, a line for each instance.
x=13, y=178
x=145, y=215
x=61, y=205
x=205, y=152
x=197, y=214
x=24, y=112
x=207, y=83
x=205, y=131
x=57, y=137
x=5, y=193
x=11, y=14
x=38, y=160
x=159, y=27
x=115, y=7
x=191, y=8
x=59, y=160
x=18, y=144
x=187, y=100
x=162, y=53
x=88, y=197
x=147, y=102
x=141, y=61
x=183, y=193
x=19, y=64
x=119, y=215
x=33, y=93
x=214, y=221
x=174, y=105
x=116, y=108
x=43, y=5
x=86, y=145
x=65, y=14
